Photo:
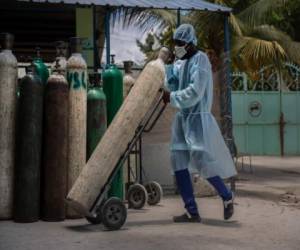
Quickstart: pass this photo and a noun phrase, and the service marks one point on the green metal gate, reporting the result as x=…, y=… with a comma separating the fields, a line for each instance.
x=266, y=117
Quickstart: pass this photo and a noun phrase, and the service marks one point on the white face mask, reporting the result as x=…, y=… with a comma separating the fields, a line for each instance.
x=180, y=51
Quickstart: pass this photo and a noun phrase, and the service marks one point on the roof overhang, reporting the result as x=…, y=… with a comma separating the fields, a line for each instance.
x=154, y=4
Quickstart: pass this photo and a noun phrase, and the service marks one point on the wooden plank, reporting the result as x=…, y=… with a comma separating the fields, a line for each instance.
x=114, y=142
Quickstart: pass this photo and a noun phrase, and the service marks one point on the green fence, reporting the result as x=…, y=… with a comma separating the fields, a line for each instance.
x=266, y=112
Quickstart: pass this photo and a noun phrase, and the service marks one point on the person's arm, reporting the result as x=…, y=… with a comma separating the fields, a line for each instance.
x=191, y=95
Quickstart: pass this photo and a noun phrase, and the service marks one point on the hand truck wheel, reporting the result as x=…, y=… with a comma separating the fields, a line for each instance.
x=155, y=193
x=113, y=213
x=137, y=196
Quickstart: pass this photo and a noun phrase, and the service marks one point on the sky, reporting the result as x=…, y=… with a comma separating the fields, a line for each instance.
x=123, y=44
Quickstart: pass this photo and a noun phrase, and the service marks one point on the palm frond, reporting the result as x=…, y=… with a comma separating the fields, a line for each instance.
x=255, y=53
x=204, y=21
x=257, y=13
x=238, y=43
x=236, y=25
x=269, y=33
x=292, y=49
x=207, y=20
x=145, y=19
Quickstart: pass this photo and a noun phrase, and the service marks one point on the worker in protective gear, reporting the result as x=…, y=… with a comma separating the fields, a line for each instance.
x=196, y=139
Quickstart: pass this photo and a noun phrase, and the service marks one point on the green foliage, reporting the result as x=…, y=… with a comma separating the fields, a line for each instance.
x=259, y=32
x=154, y=42
x=145, y=19
x=287, y=19
x=263, y=32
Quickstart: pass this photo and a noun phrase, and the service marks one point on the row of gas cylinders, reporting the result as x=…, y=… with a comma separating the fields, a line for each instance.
x=49, y=128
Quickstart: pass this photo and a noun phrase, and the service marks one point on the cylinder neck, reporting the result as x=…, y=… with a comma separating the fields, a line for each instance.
x=31, y=69
x=6, y=41
x=38, y=53
x=61, y=48
x=128, y=66
x=95, y=79
x=112, y=60
x=57, y=68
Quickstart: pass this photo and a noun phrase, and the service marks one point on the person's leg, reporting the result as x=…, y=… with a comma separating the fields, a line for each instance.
x=225, y=194
x=221, y=188
x=185, y=187
x=180, y=161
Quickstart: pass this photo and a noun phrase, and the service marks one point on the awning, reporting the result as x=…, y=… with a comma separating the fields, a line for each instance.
x=155, y=4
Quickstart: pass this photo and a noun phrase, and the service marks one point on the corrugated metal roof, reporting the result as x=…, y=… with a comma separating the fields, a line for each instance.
x=156, y=4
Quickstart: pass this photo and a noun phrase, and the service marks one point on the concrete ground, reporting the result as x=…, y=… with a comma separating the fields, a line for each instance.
x=267, y=217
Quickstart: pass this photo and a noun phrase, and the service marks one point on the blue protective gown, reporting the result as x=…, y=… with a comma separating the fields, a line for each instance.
x=195, y=132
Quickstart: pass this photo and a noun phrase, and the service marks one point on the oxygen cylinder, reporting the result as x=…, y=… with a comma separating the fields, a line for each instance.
x=61, y=53
x=8, y=100
x=77, y=79
x=113, y=89
x=29, y=145
x=96, y=114
x=55, y=149
x=40, y=67
x=128, y=79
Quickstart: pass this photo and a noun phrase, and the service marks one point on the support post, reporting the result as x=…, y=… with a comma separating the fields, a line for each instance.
x=107, y=36
x=95, y=46
x=227, y=103
x=178, y=18
x=227, y=115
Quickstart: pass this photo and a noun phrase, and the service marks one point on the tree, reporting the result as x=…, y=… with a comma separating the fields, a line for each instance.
x=256, y=41
x=153, y=43
x=288, y=19
x=144, y=19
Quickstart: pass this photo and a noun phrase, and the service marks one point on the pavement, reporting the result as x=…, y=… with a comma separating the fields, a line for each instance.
x=267, y=216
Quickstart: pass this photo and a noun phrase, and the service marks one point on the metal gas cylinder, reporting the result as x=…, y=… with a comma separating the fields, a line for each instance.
x=96, y=114
x=128, y=79
x=61, y=54
x=8, y=100
x=29, y=148
x=113, y=89
x=40, y=67
x=77, y=79
x=55, y=161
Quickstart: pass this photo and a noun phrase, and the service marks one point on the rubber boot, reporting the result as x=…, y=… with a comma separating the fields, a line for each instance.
x=185, y=187
x=225, y=194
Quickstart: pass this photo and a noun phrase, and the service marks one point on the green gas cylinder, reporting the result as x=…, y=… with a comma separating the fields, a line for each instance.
x=113, y=89
x=29, y=148
x=40, y=67
x=96, y=114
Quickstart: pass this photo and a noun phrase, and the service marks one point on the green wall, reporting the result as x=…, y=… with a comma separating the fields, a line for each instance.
x=258, y=132
x=84, y=29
